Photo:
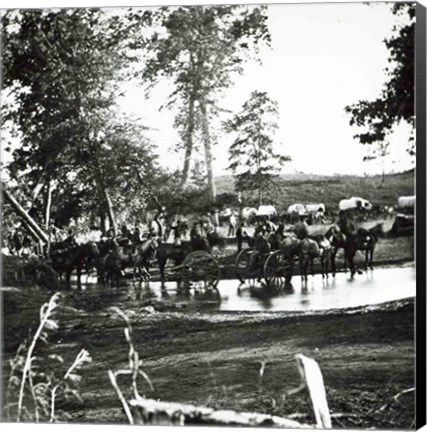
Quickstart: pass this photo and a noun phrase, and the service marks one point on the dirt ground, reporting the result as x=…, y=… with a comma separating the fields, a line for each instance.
x=213, y=358
x=366, y=356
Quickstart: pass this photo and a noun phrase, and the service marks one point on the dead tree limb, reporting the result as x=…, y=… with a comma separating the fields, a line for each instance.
x=153, y=412
x=25, y=216
x=312, y=380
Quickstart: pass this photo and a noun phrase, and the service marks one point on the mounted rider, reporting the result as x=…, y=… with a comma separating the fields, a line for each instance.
x=157, y=226
x=179, y=229
x=198, y=237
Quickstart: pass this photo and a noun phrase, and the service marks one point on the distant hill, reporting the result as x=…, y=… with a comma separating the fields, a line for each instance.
x=306, y=188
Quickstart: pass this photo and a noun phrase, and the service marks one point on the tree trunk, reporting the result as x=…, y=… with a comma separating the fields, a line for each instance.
x=48, y=205
x=30, y=231
x=258, y=163
x=208, y=150
x=26, y=217
x=110, y=211
x=188, y=141
x=34, y=195
x=105, y=197
x=103, y=222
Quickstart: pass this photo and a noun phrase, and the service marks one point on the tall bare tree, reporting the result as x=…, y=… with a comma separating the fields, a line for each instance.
x=200, y=48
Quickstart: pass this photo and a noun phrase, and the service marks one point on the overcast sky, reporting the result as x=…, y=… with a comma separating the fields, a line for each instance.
x=324, y=56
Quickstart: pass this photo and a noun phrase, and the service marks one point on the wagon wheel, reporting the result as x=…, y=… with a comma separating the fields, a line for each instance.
x=244, y=273
x=277, y=270
x=243, y=259
x=202, y=269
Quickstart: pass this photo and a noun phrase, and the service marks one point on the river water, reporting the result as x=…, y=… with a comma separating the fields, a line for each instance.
x=371, y=287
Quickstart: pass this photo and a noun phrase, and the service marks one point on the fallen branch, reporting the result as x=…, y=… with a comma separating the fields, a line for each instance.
x=394, y=399
x=152, y=412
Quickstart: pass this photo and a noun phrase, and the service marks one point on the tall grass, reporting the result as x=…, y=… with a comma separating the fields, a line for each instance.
x=133, y=369
x=37, y=381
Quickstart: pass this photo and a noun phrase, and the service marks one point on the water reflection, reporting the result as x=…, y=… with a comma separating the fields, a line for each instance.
x=319, y=293
x=316, y=293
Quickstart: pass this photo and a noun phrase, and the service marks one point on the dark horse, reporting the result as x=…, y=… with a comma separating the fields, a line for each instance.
x=115, y=257
x=367, y=240
x=68, y=256
x=142, y=255
x=346, y=236
x=338, y=241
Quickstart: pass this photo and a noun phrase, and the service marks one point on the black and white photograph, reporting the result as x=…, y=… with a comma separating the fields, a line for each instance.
x=213, y=214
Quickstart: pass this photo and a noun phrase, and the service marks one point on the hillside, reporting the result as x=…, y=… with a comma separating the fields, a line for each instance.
x=330, y=190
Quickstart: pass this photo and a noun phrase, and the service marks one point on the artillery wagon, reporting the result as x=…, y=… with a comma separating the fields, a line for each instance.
x=192, y=264
x=199, y=270
x=275, y=268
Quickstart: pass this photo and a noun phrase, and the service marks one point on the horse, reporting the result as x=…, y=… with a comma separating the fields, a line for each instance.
x=142, y=255
x=116, y=256
x=290, y=247
x=73, y=257
x=325, y=249
x=301, y=229
x=338, y=240
x=308, y=250
x=346, y=235
x=367, y=239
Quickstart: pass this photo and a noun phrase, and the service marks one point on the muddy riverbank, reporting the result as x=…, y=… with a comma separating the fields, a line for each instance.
x=366, y=355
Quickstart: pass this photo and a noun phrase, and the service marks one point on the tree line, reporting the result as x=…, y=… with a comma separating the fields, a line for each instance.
x=77, y=155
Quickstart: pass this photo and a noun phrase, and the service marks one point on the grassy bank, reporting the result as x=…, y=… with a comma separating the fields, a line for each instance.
x=306, y=188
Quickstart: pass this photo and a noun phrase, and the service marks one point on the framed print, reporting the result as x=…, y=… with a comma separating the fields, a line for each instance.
x=214, y=214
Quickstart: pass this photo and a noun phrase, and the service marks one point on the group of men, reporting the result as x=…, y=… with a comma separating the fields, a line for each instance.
x=158, y=228
x=268, y=235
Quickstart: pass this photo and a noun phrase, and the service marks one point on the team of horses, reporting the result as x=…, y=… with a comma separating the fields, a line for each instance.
x=297, y=245
x=109, y=258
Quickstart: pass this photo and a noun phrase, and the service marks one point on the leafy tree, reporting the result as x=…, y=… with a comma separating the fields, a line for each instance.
x=396, y=102
x=200, y=48
x=252, y=158
x=62, y=70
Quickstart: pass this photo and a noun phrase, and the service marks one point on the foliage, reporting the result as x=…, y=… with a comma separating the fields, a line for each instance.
x=181, y=200
x=252, y=158
x=396, y=102
x=226, y=199
x=61, y=77
x=59, y=83
x=36, y=381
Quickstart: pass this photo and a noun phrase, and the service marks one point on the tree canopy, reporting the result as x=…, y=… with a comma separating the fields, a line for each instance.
x=62, y=70
x=396, y=102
